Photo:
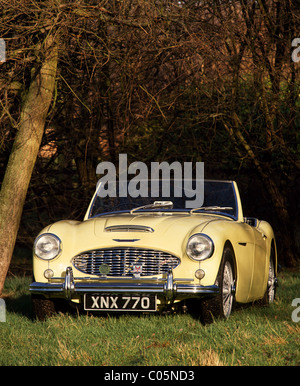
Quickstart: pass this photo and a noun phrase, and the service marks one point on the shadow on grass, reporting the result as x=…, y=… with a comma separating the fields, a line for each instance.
x=20, y=305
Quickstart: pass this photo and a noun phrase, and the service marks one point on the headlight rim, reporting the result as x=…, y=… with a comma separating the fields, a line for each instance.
x=55, y=237
x=212, y=249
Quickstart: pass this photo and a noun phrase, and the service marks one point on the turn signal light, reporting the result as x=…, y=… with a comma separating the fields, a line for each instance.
x=199, y=274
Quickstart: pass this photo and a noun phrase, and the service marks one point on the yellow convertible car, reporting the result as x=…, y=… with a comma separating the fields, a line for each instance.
x=154, y=255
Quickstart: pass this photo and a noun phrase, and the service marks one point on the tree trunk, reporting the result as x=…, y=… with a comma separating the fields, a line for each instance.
x=24, y=153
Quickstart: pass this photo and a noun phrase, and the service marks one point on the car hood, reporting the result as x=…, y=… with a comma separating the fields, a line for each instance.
x=164, y=231
x=161, y=224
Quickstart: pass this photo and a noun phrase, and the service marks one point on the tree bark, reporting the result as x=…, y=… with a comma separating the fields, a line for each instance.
x=24, y=153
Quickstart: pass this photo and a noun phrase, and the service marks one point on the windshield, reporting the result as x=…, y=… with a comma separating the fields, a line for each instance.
x=218, y=197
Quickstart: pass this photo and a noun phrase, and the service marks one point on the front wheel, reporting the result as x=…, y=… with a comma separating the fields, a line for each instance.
x=222, y=305
x=270, y=293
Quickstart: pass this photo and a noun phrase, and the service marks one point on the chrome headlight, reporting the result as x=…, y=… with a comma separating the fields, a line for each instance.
x=47, y=246
x=199, y=247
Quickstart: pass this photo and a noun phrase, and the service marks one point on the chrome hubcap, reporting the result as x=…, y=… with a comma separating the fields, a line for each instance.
x=228, y=289
x=271, y=283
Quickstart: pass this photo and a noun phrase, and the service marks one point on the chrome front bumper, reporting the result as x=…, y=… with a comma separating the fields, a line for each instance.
x=168, y=287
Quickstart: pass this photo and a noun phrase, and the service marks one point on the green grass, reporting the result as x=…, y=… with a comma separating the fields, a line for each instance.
x=252, y=336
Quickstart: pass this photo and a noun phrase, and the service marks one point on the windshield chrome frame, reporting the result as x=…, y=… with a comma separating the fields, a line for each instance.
x=236, y=216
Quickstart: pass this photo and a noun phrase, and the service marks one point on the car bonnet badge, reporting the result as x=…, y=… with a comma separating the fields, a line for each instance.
x=104, y=269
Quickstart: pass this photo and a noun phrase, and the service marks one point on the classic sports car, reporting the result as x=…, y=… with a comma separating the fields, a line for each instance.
x=146, y=255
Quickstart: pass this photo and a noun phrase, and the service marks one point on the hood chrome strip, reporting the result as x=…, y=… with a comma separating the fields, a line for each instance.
x=129, y=228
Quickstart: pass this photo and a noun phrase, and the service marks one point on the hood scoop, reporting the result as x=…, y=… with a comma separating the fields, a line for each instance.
x=129, y=228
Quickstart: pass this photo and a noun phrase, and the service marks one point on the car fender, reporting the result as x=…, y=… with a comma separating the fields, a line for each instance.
x=267, y=231
x=65, y=231
x=239, y=237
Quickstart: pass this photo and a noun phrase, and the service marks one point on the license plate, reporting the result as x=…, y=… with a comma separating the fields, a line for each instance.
x=108, y=302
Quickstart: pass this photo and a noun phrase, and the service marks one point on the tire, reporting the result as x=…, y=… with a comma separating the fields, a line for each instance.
x=222, y=305
x=270, y=293
x=44, y=308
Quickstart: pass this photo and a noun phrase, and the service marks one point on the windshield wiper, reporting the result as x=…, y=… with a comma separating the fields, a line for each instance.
x=212, y=208
x=154, y=205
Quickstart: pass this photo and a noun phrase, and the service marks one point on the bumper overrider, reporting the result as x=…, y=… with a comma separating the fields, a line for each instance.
x=168, y=288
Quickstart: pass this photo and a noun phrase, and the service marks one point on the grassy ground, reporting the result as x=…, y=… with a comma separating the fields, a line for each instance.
x=253, y=335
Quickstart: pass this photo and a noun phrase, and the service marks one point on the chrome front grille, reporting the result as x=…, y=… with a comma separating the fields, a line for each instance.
x=125, y=262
